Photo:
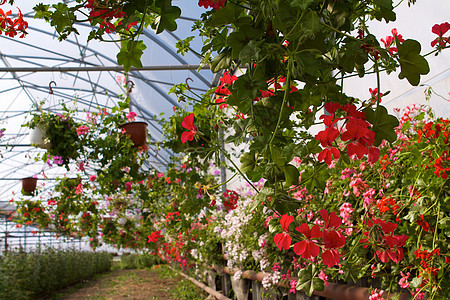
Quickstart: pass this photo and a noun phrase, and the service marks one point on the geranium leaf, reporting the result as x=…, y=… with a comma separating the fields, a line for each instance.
x=277, y=158
x=130, y=54
x=383, y=124
x=167, y=19
x=221, y=61
x=412, y=64
x=224, y=16
x=292, y=175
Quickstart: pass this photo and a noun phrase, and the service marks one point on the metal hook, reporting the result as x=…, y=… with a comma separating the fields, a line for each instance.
x=131, y=87
x=189, y=78
x=50, y=87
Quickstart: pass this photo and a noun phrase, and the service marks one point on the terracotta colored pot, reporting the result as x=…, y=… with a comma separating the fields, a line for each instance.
x=29, y=184
x=137, y=132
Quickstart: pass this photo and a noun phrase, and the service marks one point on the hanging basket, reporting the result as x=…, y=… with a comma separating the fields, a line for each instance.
x=29, y=186
x=39, y=139
x=137, y=132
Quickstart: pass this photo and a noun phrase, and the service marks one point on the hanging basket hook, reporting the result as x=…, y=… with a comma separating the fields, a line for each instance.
x=131, y=87
x=50, y=87
x=189, y=78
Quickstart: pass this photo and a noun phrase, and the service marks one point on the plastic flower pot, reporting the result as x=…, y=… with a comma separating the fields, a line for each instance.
x=29, y=186
x=38, y=138
x=137, y=131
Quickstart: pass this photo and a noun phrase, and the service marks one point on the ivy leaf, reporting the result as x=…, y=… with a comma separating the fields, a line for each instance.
x=41, y=11
x=130, y=54
x=167, y=16
x=247, y=86
x=166, y=20
x=412, y=64
x=383, y=124
x=61, y=18
x=308, y=282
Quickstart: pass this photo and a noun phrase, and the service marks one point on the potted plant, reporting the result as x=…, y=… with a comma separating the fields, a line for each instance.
x=58, y=133
x=29, y=186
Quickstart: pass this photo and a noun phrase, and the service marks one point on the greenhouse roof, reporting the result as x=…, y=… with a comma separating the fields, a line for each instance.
x=34, y=66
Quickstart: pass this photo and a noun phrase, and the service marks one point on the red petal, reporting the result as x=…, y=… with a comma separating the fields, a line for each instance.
x=313, y=249
x=282, y=240
x=187, y=136
x=300, y=247
x=315, y=232
x=188, y=122
x=330, y=258
x=303, y=228
x=285, y=221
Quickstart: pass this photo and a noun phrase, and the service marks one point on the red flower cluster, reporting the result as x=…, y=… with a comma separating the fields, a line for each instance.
x=216, y=4
x=425, y=259
x=440, y=30
x=390, y=41
x=433, y=131
x=385, y=204
x=107, y=14
x=309, y=247
x=381, y=235
x=154, y=236
x=360, y=138
x=12, y=26
x=231, y=199
x=170, y=216
x=222, y=91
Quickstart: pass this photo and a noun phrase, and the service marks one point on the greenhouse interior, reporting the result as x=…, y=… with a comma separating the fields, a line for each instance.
x=275, y=149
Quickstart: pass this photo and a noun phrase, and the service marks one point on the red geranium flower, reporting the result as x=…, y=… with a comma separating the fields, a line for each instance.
x=188, y=123
x=154, y=236
x=283, y=240
x=440, y=30
x=216, y=4
x=308, y=248
x=331, y=220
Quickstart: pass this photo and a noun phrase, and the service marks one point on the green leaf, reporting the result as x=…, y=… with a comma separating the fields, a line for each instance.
x=383, y=124
x=412, y=64
x=41, y=11
x=250, y=51
x=130, y=54
x=277, y=158
x=224, y=16
x=416, y=282
x=61, y=17
x=221, y=61
x=247, y=86
x=292, y=174
x=308, y=282
x=247, y=162
x=302, y=4
x=167, y=18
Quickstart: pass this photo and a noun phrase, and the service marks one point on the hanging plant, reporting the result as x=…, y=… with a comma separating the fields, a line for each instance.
x=29, y=186
x=59, y=135
x=137, y=131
